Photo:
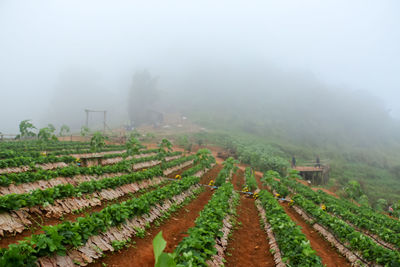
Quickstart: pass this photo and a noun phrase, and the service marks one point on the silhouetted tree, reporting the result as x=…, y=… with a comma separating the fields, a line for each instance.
x=143, y=94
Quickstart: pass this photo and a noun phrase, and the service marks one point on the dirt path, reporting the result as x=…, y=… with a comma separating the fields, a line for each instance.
x=238, y=180
x=329, y=255
x=249, y=244
x=174, y=230
x=211, y=174
x=39, y=221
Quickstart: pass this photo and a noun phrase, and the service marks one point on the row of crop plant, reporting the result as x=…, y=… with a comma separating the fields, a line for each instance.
x=74, y=239
x=357, y=247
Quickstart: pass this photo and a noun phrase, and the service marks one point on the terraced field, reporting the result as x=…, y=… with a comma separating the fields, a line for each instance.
x=118, y=209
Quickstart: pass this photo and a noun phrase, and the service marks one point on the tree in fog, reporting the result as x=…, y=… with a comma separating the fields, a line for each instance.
x=25, y=129
x=143, y=94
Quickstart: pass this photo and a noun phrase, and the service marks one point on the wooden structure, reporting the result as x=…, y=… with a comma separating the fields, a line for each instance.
x=104, y=117
x=317, y=175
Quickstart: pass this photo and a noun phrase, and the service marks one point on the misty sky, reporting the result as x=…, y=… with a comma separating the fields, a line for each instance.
x=352, y=44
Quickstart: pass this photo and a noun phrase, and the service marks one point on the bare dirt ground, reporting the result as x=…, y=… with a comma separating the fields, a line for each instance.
x=43, y=221
x=174, y=230
x=248, y=245
x=329, y=255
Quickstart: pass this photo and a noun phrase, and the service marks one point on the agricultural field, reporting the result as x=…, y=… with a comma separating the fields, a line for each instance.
x=98, y=204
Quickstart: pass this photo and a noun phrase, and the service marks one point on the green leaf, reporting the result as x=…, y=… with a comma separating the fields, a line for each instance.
x=162, y=259
x=159, y=245
x=165, y=260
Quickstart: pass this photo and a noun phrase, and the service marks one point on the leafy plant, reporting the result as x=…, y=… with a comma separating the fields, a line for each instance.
x=269, y=179
x=165, y=146
x=85, y=131
x=199, y=246
x=64, y=130
x=363, y=218
x=251, y=182
x=133, y=146
x=293, y=174
x=381, y=204
x=293, y=244
x=47, y=133
x=119, y=244
x=226, y=172
x=98, y=141
x=25, y=129
x=204, y=158
x=353, y=189
x=68, y=234
x=162, y=259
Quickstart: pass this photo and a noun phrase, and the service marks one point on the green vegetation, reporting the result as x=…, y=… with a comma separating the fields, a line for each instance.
x=376, y=168
x=47, y=133
x=293, y=244
x=229, y=169
x=133, y=145
x=165, y=146
x=98, y=141
x=64, y=130
x=362, y=217
x=199, y=246
x=85, y=131
x=49, y=195
x=25, y=129
x=269, y=179
x=204, y=158
x=250, y=179
x=66, y=235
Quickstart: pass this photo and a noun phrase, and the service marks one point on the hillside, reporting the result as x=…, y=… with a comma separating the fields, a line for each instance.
x=294, y=114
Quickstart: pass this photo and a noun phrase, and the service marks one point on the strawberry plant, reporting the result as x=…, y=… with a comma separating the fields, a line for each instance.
x=293, y=244
x=204, y=158
x=228, y=169
x=250, y=180
x=98, y=141
x=361, y=219
x=123, y=166
x=369, y=250
x=198, y=247
x=63, y=236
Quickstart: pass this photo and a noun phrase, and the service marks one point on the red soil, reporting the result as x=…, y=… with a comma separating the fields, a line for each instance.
x=328, y=254
x=174, y=230
x=249, y=243
x=211, y=174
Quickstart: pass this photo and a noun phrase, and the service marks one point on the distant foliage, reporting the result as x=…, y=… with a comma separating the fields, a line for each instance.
x=133, y=145
x=381, y=205
x=165, y=146
x=25, y=129
x=98, y=141
x=64, y=130
x=47, y=133
x=353, y=190
x=260, y=156
x=84, y=131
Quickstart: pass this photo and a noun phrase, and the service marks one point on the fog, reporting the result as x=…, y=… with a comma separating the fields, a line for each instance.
x=301, y=63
